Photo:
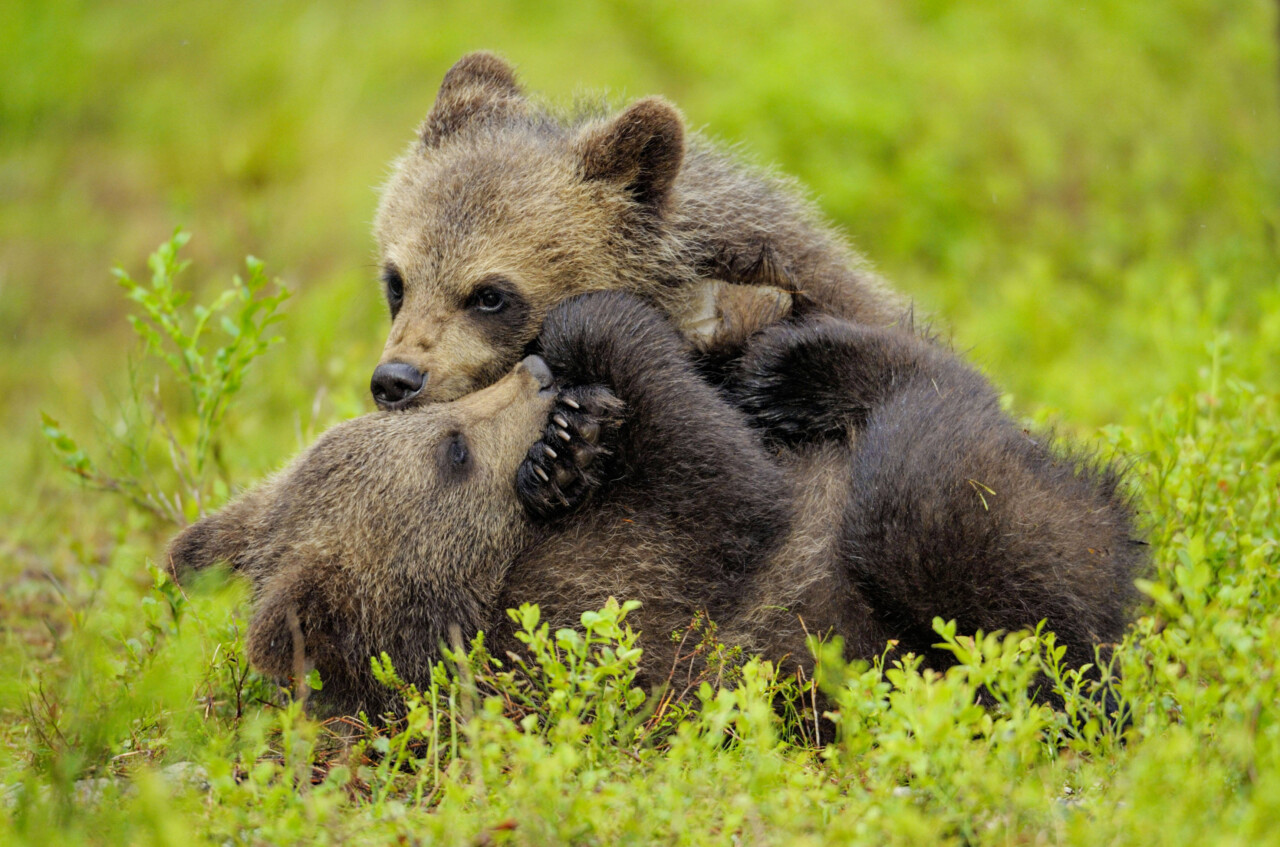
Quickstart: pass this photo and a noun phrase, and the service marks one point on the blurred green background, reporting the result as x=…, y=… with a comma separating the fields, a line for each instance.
x=1084, y=194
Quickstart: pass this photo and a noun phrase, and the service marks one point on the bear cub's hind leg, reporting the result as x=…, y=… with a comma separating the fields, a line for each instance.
x=568, y=462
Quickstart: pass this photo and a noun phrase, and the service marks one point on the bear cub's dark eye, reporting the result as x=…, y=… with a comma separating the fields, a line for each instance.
x=454, y=453
x=489, y=299
x=395, y=288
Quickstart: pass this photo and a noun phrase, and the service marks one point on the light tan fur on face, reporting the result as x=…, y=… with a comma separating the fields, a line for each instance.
x=498, y=424
x=506, y=418
x=448, y=224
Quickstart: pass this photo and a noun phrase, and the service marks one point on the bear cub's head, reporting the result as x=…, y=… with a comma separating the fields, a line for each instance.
x=499, y=211
x=390, y=532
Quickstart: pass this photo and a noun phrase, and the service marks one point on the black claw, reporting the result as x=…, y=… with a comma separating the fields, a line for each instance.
x=558, y=480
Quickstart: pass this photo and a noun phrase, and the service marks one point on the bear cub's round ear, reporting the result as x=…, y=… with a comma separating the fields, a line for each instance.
x=480, y=69
x=480, y=84
x=641, y=148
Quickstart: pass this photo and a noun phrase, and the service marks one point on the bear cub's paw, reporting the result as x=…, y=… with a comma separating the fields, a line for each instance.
x=718, y=316
x=568, y=463
x=821, y=379
x=783, y=385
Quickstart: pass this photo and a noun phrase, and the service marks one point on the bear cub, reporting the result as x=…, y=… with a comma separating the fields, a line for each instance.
x=503, y=207
x=606, y=466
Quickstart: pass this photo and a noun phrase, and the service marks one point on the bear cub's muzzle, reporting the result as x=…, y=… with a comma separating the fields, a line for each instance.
x=395, y=384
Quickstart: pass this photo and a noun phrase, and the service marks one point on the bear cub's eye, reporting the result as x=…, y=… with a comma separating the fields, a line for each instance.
x=454, y=453
x=395, y=288
x=489, y=299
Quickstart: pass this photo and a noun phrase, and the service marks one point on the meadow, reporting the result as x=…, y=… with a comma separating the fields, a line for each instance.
x=1084, y=198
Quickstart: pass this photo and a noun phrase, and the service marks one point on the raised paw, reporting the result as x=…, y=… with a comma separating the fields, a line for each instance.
x=779, y=406
x=808, y=382
x=822, y=378
x=719, y=317
x=568, y=463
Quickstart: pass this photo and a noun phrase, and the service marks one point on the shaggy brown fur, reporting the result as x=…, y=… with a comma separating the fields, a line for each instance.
x=953, y=510
x=644, y=483
x=502, y=208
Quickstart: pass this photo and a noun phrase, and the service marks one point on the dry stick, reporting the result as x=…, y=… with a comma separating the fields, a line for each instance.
x=675, y=663
x=299, y=656
x=817, y=733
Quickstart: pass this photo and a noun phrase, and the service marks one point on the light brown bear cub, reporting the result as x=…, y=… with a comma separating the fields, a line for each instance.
x=502, y=208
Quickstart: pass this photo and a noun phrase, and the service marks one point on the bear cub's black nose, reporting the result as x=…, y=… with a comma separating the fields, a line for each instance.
x=395, y=384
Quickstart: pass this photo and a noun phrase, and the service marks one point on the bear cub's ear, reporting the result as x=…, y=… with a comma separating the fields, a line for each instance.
x=642, y=149
x=480, y=85
x=225, y=536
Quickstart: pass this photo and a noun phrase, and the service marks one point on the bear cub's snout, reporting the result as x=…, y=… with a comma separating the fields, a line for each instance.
x=396, y=384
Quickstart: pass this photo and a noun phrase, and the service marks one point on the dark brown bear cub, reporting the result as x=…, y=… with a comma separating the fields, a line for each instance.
x=501, y=208
x=636, y=479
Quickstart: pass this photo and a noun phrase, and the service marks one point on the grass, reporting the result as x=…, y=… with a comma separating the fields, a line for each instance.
x=1087, y=197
